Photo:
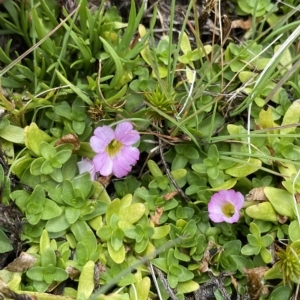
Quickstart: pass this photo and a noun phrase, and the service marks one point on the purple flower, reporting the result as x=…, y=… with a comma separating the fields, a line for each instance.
x=225, y=206
x=115, y=154
x=86, y=165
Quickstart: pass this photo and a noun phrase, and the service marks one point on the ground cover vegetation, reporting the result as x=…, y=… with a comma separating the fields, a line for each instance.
x=149, y=149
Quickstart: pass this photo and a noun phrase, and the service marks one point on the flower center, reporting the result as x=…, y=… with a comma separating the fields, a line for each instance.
x=228, y=210
x=113, y=148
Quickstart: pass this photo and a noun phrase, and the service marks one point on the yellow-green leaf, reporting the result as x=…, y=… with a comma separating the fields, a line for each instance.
x=262, y=211
x=291, y=116
x=160, y=232
x=187, y=287
x=281, y=200
x=132, y=213
x=142, y=289
x=34, y=137
x=244, y=169
x=117, y=256
x=225, y=185
x=86, y=281
x=13, y=134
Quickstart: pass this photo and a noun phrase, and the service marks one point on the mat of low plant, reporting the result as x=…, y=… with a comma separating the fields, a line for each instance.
x=149, y=150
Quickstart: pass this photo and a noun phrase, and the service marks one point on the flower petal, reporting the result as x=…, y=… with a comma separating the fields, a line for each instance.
x=86, y=165
x=217, y=202
x=126, y=134
x=217, y=218
x=103, y=164
x=123, y=162
x=236, y=198
x=102, y=137
x=130, y=154
x=232, y=219
x=120, y=170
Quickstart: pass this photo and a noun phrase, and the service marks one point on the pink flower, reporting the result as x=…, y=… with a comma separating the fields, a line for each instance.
x=225, y=206
x=115, y=154
x=86, y=165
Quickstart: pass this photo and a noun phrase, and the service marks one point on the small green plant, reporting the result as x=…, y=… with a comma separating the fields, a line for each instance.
x=258, y=244
x=255, y=7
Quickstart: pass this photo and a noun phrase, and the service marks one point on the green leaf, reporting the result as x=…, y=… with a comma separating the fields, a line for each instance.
x=36, y=166
x=21, y=199
x=62, y=156
x=117, y=256
x=187, y=287
x=213, y=172
x=5, y=244
x=291, y=152
x=266, y=255
x=255, y=230
x=56, y=175
x=118, y=73
x=173, y=280
x=281, y=200
x=104, y=233
x=79, y=228
x=44, y=242
x=78, y=126
x=48, y=258
x=175, y=270
x=132, y=213
x=242, y=262
x=48, y=45
x=113, y=208
x=160, y=232
x=292, y=116
x=142, y=289
x=191, y=153
x=263, y=211
x=90, y=241
x=47, y=151
x=72, y=214
x=36, y=273
x=46, y=168
x=13, y=134
x=86, y=283
x=179, y=174
x=82, y=253
x=34, y=137
x=294, y=231
x=74, y=88
x=200, y=168
x=179, y=161
x=64, y=110
x=51, y=210
x=275, y=272
x=57, y=224
x=83, y=184
x=253, y=241
x=117, y=238
x=250, y=250
x=266, y=240
x=230, y=183
x=60, y=275
x=33, y=219
x=161, y=263
x=281, y=292
x=244, y=169
x=213, y=153
x=154, y=169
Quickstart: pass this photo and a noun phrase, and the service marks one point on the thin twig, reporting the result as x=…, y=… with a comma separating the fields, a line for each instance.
x=182, y=193
x=154, y=280
x=165, y=283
